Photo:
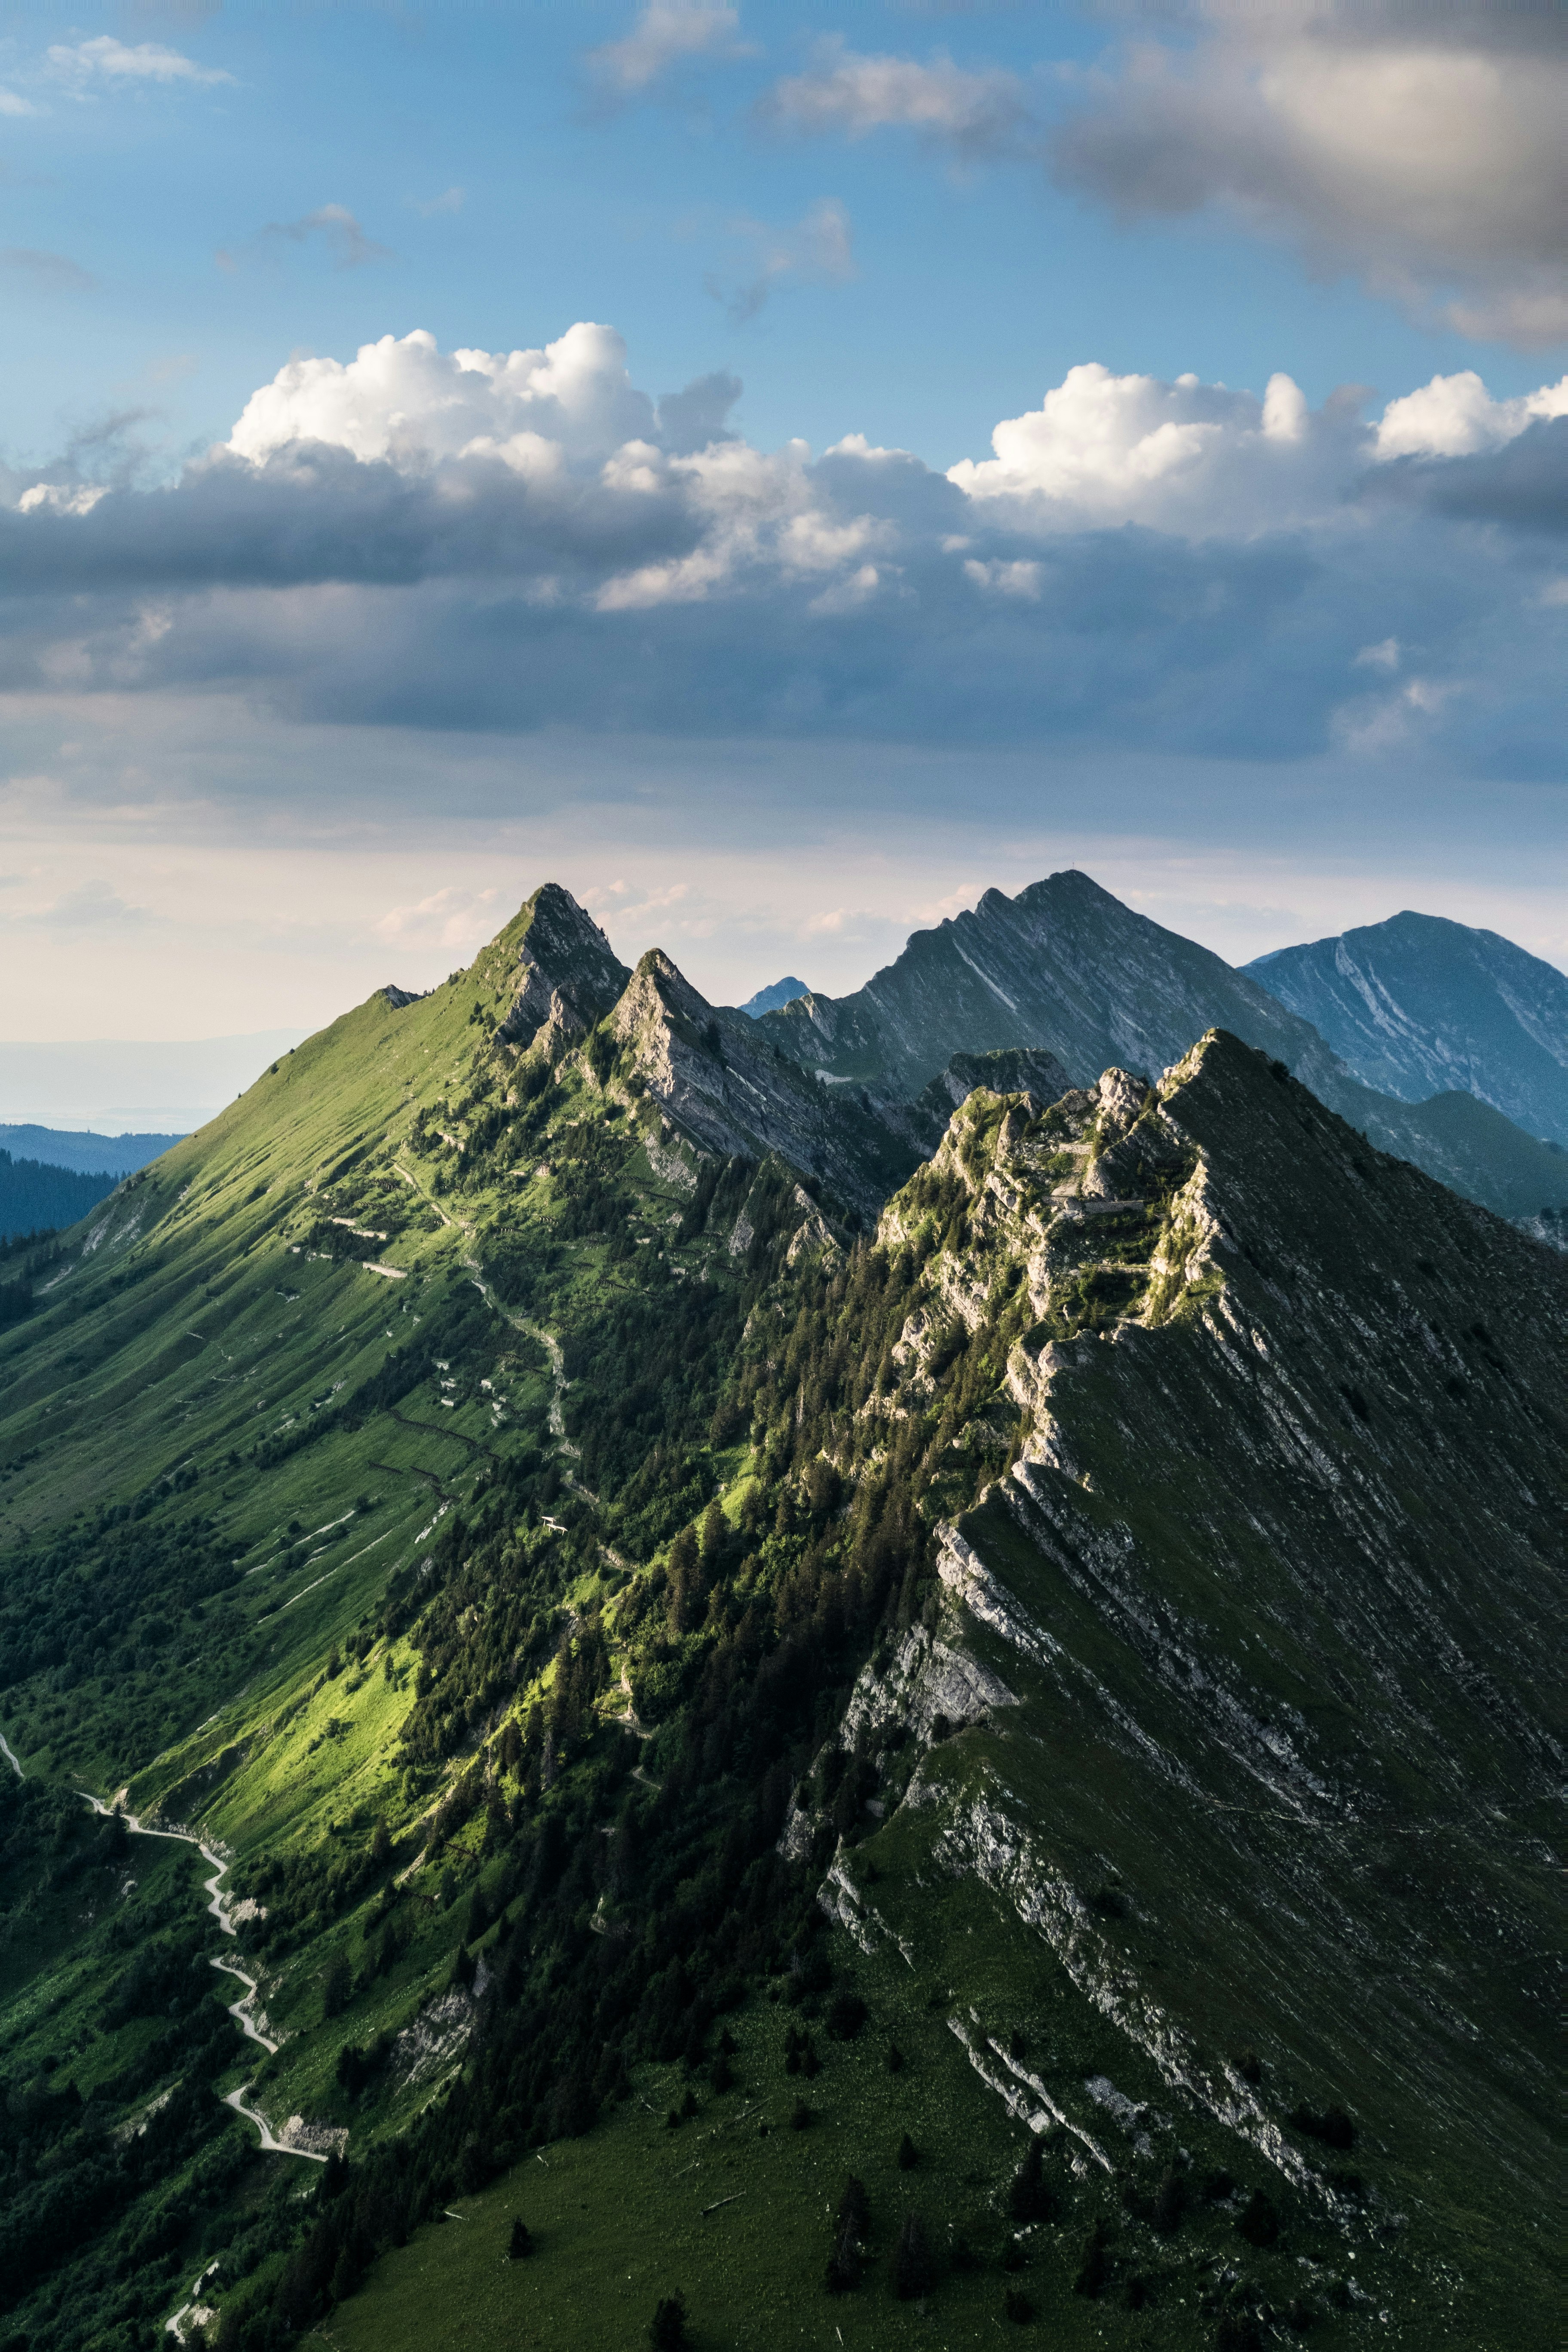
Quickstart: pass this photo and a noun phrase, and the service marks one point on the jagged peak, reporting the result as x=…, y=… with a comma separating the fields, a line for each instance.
x=569, y=976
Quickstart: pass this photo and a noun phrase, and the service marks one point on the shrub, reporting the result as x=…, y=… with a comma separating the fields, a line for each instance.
x=1258, y=2221
x=666, y=2328
x=914, y=2269
x=522, y=2244
x=337, y=1986
x=1170, y=2203
x=1217, y=2186
x=1333, y=2126
x=847, y=2014
x=1028, y=2198
x=1094, y=2272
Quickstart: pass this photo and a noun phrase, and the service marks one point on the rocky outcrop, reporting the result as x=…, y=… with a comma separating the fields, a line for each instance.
x=568, y=975
x=718, y=1082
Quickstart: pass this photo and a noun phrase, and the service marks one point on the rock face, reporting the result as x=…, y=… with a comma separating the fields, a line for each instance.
x=568, y=974
x=1265, y=1603
x=1066, y=967
x=732, y=1092
x=1418, y=1006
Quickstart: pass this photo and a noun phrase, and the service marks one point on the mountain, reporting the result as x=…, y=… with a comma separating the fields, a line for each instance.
x=1418, y=1006
x=988, y=1751
x=33, y=1196
x=89, y=1155
x=1067, y=967
x=769, y=999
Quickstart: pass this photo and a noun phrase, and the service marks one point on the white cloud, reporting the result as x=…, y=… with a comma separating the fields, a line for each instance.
x=1455, y=416
x=11, y=103
x=1104, y=448
x=1384, y=656
x=450, y=200
x=403, y=399
x=1422, y=147
x=61, y=497
x=80, y=63
x=669, y=33
x=851, y=93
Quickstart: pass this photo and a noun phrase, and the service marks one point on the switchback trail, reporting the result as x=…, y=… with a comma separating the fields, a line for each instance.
x=237, y=2009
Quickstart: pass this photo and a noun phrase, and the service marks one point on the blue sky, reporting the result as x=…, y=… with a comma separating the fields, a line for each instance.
x=268, y=718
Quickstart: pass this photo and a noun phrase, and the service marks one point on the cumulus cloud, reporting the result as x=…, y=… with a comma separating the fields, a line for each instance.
x=1422, y=149
x=12, y=103
x=818, y=251
x=406, y=400
x=521, y=539
x=103, y=59
x=1454, y=415
x=1188, y=456
x=847, y=91
x=667, y=33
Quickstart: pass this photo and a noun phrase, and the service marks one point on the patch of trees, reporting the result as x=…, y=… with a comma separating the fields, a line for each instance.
x=35, y=1196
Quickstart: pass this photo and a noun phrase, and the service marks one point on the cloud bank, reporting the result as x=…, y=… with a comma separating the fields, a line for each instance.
x=525, y=540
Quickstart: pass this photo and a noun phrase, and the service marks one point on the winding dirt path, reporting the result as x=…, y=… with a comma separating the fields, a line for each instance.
x=536, y=1331
x=237, y=2009
x=271, y=2145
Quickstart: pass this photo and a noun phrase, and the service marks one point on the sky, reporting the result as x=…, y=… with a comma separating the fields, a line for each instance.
x=779, y=471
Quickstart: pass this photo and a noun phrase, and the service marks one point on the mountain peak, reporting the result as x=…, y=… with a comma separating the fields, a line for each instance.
x=568, y=975
x=1421, y=1005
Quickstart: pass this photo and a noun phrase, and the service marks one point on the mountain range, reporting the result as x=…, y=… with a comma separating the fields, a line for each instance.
x=718, y=1707
x=1067, y=967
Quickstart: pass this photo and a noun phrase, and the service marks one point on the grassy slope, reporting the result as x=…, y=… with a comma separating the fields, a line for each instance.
x=184, y=1324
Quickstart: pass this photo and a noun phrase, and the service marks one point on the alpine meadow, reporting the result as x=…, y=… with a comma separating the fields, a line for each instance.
x=656, y=1700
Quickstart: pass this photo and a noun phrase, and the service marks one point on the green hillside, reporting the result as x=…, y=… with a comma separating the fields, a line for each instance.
x=698, y=1692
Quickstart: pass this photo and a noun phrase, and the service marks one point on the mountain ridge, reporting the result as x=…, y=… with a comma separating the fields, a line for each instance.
x=1066, y=967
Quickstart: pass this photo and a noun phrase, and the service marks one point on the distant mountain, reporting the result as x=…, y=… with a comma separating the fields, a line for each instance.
x=769, y=1000
x=90, y=1155
x=35, y=1196
x=1418, y=1006
x=1067, y=967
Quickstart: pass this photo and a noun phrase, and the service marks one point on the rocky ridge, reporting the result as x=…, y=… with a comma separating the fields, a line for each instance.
x=1066, y=967
x=1218, y=1704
